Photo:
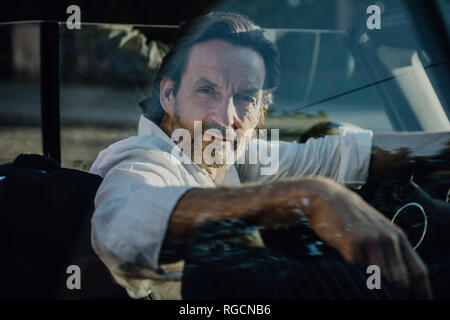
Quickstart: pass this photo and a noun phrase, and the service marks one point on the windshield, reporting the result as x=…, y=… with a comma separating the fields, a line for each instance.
x=334, y=67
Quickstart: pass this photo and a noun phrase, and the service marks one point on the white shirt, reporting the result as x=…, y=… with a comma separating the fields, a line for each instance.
x=143, y=181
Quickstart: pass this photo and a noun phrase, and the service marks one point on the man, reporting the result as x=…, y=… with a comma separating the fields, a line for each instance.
x=217, y=82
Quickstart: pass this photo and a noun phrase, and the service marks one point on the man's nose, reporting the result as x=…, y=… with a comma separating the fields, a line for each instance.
x=226, y=114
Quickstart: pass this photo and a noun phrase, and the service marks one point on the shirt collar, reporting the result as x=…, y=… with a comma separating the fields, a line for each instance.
x=147, y=127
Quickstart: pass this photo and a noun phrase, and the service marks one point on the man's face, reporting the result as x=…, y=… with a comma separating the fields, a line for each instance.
x=221, y=88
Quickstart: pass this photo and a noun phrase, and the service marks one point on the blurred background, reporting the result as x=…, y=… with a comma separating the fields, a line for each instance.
x=106, y=68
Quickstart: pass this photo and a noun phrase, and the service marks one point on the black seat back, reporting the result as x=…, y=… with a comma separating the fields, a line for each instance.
x=45, y=227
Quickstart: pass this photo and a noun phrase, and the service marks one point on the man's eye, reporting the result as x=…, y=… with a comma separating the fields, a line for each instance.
x=205, y=90
x=244, y=99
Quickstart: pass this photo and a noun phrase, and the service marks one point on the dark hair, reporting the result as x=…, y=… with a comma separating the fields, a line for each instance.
x=231, y=27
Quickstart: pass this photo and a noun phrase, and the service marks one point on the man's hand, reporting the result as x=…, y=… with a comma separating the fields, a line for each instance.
x=362, y=234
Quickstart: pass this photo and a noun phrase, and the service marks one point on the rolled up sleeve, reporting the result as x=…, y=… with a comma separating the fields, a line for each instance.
x=356, y=150
x=344, y=158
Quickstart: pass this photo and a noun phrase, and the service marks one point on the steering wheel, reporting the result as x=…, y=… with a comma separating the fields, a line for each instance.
x=417, y=200
x=418, y=204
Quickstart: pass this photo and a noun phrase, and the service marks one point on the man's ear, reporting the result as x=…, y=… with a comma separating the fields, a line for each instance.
x=167, y=95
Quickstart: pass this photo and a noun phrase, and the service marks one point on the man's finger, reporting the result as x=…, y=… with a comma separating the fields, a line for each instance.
x=418, y=272
x=396, y=265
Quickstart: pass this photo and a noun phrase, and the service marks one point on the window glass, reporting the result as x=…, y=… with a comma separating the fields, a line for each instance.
x=333, y=68
x=105, y=72
x=20, y=120
x=444, y=7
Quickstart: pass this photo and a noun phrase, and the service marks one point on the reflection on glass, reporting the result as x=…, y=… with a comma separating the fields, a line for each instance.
x=105, y=72
x=20, y=107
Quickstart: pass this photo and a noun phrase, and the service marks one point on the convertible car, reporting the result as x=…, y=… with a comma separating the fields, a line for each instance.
x=67, y=94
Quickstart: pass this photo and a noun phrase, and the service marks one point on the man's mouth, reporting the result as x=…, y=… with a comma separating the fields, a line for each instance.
x=217, y=137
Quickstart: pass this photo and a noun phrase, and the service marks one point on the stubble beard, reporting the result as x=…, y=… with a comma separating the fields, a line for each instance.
x=226, y=160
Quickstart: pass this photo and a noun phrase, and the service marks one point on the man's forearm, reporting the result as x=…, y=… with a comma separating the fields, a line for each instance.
x=263, y=205
x=255, y=204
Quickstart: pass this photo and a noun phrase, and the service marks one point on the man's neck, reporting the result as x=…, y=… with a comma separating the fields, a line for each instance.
x=217, y=174
x=165, y=126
